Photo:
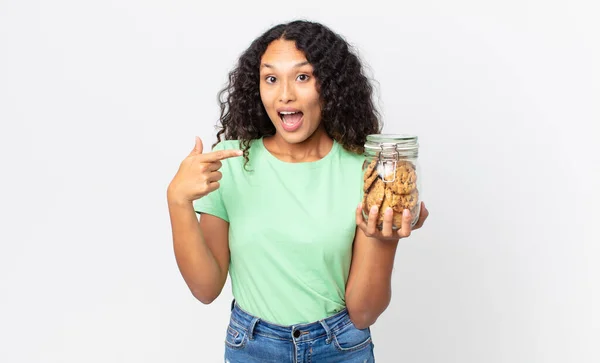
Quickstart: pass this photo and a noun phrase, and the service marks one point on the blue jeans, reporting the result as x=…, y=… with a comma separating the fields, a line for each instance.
x=331, y=340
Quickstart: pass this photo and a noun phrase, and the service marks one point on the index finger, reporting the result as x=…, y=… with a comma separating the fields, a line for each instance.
x=220, y=155
x=359, y=217
x=360, y=222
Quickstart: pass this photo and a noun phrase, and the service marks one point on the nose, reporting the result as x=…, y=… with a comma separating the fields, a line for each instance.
x=287, y=92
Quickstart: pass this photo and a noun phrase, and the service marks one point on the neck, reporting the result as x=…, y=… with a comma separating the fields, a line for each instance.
x=316, y=147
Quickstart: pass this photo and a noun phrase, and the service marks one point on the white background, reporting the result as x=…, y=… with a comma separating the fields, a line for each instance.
x=101, y=100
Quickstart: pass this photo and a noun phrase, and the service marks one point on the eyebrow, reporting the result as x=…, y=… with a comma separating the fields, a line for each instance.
x=267, y=65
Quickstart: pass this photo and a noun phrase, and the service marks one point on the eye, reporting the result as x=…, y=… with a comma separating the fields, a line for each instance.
x=270, y=79
x=303, y=77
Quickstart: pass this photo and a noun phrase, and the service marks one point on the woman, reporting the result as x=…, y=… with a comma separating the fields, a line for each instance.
x=278, y=198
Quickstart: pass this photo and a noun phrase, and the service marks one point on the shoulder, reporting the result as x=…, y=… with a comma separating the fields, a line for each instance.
x=350, y=156
x=227, y=145
x=238, y=163
x=235, y=145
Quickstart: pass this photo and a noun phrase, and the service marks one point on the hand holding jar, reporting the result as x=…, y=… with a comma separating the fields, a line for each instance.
x=391, y=206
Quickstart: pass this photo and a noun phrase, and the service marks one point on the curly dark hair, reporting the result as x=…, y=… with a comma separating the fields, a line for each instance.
x=348, y=113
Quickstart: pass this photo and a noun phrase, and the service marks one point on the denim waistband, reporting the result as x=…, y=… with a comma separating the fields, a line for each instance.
x=298, y=332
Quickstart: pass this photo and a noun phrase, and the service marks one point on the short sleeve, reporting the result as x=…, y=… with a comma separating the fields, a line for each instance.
x=212, y=203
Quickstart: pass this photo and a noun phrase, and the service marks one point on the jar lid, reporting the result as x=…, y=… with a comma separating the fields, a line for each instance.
x=400, y=141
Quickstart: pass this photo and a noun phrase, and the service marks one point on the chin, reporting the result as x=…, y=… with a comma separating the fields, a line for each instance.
x=294, y=138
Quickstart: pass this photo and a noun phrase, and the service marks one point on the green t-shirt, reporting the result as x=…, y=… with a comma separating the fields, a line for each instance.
x=291, y=229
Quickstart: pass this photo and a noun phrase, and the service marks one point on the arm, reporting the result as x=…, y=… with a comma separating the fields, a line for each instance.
x=201, y=250
x=369, y=290
x=201, y=247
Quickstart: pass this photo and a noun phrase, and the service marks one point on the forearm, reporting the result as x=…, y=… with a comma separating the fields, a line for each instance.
x=196, y=262
x=369, y=293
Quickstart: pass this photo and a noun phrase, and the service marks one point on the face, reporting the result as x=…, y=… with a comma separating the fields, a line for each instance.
x=288, y=91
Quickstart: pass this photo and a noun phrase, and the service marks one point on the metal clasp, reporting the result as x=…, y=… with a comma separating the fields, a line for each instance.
x=388, y=167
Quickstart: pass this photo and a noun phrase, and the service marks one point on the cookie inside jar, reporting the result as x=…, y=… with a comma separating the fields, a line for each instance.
x=390, y=177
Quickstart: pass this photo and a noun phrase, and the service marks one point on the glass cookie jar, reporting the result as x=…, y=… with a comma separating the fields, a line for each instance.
x=391, y=177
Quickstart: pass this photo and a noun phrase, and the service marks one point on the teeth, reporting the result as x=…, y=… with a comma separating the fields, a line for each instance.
x=287, y=113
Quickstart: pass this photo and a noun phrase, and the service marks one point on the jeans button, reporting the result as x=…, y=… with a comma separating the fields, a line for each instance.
x=296, y=333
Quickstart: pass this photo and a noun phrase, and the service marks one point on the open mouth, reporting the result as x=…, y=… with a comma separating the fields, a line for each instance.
x=291, y=121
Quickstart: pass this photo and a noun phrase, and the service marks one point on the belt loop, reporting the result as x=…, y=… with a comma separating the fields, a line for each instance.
x=327, y=330
x=251, y=328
